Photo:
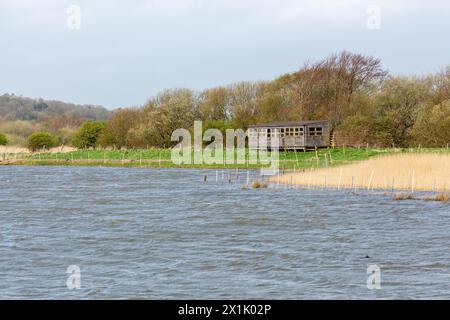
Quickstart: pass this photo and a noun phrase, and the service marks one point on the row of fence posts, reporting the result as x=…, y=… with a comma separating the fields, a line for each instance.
x=222, y=176
x=277, y=185
x=6, y=156
x=9, y=156
x=327, y=156
x=103, y=159
x=227, y=176
x=236, y=176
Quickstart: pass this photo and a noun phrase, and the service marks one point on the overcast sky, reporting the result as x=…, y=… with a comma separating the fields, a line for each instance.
x=127, y=51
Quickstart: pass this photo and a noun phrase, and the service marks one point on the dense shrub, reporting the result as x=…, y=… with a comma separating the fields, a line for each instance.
x=432, y=127
x=3, y=140
x=41, y=140
x=20, y=128
x=117, y=128
x=87, y=135
x=170, y=110
x=365, y=128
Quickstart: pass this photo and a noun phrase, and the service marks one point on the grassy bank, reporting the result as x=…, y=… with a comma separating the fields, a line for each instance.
x=154, y=158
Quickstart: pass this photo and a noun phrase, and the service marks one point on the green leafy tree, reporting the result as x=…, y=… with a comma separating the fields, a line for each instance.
x=41, y=140
x=272, y=108
x=87, y=135
x=116, y=130
x=3, y=140
x=221, y=125
x=398, y=100
x=367, y=128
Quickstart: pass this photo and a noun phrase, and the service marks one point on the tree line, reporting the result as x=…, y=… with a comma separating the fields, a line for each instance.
x=21, y=116
x=353, y=91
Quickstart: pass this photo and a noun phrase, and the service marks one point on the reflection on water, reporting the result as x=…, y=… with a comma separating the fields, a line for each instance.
x=165, y=233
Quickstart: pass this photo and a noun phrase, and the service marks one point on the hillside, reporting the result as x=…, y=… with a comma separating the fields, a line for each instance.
x=14, y=107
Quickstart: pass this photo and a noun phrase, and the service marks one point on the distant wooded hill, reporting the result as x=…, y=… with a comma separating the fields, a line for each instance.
x=14, y=107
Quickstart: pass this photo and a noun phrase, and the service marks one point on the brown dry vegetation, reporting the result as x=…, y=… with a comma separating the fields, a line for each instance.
x=258, y=185
x=412, y=172
x=404, y=196
x=22, y=150
x=442, y=197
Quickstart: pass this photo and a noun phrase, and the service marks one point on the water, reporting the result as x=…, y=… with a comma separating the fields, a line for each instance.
x=166, y=234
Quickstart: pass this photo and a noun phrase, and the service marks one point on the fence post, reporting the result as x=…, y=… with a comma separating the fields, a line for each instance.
x=370, y=181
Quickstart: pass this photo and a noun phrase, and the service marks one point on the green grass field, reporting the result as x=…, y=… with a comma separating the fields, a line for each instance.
x=162, y=158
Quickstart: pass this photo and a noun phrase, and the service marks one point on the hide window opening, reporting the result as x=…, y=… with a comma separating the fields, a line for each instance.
x=315, y=131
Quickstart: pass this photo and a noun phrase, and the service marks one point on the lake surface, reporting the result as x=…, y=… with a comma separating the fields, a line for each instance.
x=167, y=234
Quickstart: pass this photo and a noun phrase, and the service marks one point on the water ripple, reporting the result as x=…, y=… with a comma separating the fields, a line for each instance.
x=166, y=234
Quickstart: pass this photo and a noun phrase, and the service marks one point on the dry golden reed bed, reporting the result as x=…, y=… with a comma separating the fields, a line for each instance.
x=412, y=172
x=22, y=150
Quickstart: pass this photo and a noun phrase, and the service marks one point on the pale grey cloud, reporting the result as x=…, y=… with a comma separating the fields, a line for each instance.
x=127, y=51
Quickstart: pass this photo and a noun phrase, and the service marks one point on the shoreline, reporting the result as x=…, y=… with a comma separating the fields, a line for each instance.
x=418, y=173
x=352, y=169
x=126, y=164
